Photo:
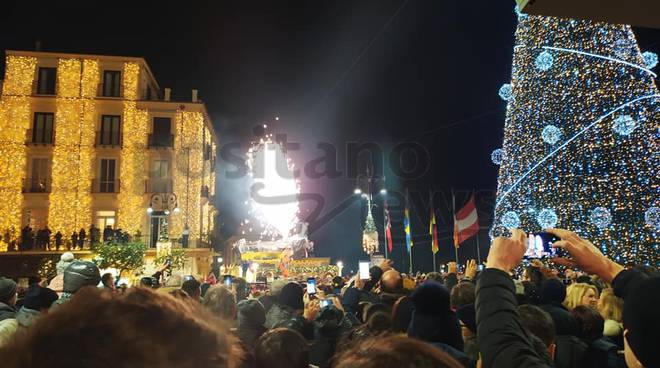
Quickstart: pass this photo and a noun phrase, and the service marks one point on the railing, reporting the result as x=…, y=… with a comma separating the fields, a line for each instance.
x=36, y=185
x=158, y=186
x=105, y=186
x=47, y=138
x=161, y=141
x=105, y=139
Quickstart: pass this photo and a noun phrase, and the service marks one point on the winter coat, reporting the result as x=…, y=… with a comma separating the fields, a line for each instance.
x=26, y=317
x=277, y=314
x=329, y=326
x=8, y=327
x=602, y=353
x=503, y=341
x=6, y=312
x=569, y=351
x=565, y=324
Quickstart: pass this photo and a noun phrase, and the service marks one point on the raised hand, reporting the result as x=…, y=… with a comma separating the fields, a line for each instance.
x=471, y=269
x=506, y=253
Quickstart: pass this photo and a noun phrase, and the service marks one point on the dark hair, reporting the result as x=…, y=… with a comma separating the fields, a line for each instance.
x=391, y=352
x=462, y=294
x=105, y=278
x=192, y=287
x=535, y=275
x=590, y=322
x=538, y=322
x=375, y=273
x=435, y=276
x=281, y=348
x=142, y=322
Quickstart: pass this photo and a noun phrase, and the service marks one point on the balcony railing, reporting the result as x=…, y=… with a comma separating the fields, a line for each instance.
x=161, y=141
x=158, y=186
x=43, y=137
x=105, y=186
x=108, y=139
x=36, y=185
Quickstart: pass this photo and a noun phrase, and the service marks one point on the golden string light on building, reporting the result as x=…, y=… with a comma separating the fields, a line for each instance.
x=15, y=117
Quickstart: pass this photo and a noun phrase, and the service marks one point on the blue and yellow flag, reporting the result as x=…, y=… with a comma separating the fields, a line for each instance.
x=406, y=227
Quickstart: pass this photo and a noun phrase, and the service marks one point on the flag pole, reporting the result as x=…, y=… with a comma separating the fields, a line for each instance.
x=409, y=246
x=385, y=214
x=453, y=202
x=432, y=228
x=478, y=230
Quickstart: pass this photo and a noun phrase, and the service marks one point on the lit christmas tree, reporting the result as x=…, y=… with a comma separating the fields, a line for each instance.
x=581, y=137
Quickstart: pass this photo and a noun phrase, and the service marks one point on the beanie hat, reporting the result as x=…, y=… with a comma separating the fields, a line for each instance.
x=431, y=298
x=251, y=311
x=7, y=289
x=79, y=274
x=276, y=286
x=292, y=296
x=65, y=260
x=39, y=298
x=552, y=290
x=468, y=315
x=641, y=319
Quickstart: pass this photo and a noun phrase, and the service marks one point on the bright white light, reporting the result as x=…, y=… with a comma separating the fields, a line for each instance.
x=277, y=118
x=150, y=210
x=383, y=191
x=265, y=126
x=219, y=259
x=357, y=191
x=276, y=204
x=602, y=57
x=255, y=266
x=177, y=210
x=340, y=264
x=167, y=212
x=364, y=196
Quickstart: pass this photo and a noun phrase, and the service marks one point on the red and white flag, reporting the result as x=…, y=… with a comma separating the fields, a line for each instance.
x=466, y=222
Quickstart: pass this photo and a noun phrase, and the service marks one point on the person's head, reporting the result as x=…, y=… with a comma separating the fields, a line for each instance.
x=641, y=323
x=375, y=273
x=553, y=291
x=192, y=287
x=590, y=323
x=39, y=298
x=540, y=324
x=434, y=276
x=281, y=348
x=372, y=308
x=292, y=296
x=581, y=294
x=276, y=287
x=220, y=300
x=337, y=282
x=80, y=274
x=8, y=291
x=610, y=306
x=37, y=281
x=240, y=288
x=65, y=260
x=391, y=281
x=461, y=294
x=149, y=282
x=108, y=280
x=467, y=315
x=153, y=331
x=393, y=352
x=251, y=312
x=433, y=320
x=533, y=274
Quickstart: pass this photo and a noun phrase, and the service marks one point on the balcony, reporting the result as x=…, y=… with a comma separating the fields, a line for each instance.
x=108, y=139
x=39, y=137
x=36, y=185
x=161, y=141
x=105, y=186
x=158, y=186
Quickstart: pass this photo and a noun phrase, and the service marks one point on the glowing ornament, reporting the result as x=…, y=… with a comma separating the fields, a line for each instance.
x=544, y=61
x=497, y=156
x=622, y=48
x=510, y=220
x=652, y=217
x=624, y=125
x=650, y=59
x=551, y=134
x=547, y=218
x=506, y=91
x=600, y=217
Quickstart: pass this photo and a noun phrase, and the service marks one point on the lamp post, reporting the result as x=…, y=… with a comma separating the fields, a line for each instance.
x=340, y=267
x=370, y=233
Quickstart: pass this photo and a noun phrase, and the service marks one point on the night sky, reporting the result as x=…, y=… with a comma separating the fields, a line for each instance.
x=382, y=71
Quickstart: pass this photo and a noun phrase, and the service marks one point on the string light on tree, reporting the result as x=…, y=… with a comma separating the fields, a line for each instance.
x=497, y=156
x=544, y=61
x=601, y=95
x=600, y=217
x=551, y=134
x=650, y=59
x=510, y=220
x=624, y=125
x=506, y=91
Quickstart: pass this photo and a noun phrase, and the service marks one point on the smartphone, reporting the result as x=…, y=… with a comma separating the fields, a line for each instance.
x=364, y=270
x=539, y=245
x=227, y=280
x=311, y=286
x=325, y=302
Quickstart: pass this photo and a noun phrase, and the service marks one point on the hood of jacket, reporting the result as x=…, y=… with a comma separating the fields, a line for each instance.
x=26, y=316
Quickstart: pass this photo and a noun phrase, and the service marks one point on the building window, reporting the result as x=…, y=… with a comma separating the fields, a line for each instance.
x=108, y=182
x=39, y=179
x=111, y=83
x=110, y=130
x=159, y=178
x=162, y=133
x=105, y=219
x=42, y=127
x=46, y=81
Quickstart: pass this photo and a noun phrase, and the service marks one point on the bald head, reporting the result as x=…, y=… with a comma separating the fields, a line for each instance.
x=390, y=281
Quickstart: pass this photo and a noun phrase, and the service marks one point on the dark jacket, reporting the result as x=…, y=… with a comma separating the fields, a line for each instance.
x=277, y=314
x=602, y=353
x=503, y=341
x=26, y=317
x=569, y=351
x=565, y=324
x=6, y=311
x=329, y=326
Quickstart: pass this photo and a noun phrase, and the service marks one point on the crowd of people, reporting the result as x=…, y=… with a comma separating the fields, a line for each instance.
x=580, y=311
x=43, y=239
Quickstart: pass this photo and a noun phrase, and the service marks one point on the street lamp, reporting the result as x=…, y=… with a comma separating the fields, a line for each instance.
x=150, y=210
x=383, y=191
x=357, y=191
x=340, y=266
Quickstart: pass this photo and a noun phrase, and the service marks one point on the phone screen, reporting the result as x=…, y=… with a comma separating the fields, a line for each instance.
x=480, y=267
x=364, y=270
x=311, y=286
x=325, y=302
x=539, y=245
x=227, y=280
